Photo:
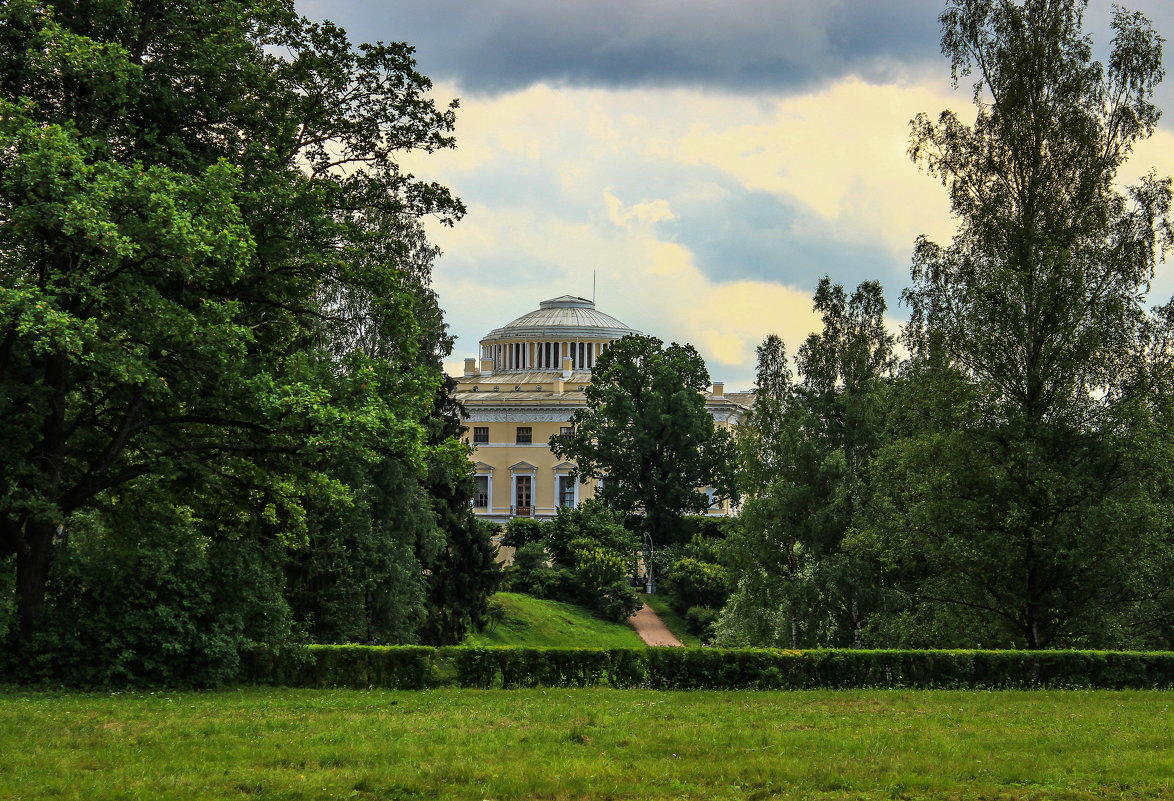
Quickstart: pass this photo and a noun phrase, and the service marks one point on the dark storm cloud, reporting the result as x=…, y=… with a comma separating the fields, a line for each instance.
x=764, y=237
x=502, y=45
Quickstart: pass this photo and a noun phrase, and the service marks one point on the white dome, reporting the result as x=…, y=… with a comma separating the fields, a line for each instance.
x=562, y=317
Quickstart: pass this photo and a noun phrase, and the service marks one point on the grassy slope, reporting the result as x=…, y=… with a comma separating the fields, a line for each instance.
x=664, y=610
x=534, y=622
x=265, y=743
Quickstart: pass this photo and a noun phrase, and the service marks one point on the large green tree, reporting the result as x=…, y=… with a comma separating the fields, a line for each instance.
x=1028, y=495
x=407, y=560
x=465, y=572
x=189, y=192
x=805, y=459
x=646, y=435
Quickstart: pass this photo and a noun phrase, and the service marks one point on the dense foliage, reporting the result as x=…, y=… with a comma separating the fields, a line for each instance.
x=223, y=420
x=805, y=449
x=1010, y=486
x=693, y=579
x=584, y=556
x=1032, y=491
x=646, y=435
x=217, y=341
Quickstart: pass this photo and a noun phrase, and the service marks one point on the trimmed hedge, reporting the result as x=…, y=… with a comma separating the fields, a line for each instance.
x=359, y=666
x=417, y=667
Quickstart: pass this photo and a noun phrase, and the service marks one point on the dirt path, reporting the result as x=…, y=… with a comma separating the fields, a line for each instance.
x=652, y=629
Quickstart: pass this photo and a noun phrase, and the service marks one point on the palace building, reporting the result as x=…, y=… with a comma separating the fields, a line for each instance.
x=523, y=390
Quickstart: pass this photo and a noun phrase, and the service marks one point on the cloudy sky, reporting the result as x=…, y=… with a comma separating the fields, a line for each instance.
x=706, y=162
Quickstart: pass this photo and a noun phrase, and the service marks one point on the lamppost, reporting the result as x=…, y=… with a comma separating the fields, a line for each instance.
x=650, y=587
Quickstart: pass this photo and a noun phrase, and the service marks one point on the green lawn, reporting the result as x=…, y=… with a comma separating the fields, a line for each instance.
x=534, y=622
x=664, y=610
x=563, y=744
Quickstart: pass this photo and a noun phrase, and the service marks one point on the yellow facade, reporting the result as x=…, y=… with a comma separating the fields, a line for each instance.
x=528, y=382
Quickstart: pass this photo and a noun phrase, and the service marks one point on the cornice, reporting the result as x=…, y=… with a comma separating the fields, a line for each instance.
x=508, y=414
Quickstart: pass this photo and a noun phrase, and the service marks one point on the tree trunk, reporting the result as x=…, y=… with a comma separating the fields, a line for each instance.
x=32, y=576
x=34, y=545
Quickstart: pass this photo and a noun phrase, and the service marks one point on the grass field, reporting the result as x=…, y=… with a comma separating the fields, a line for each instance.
x=564, y=744
x=533, y=622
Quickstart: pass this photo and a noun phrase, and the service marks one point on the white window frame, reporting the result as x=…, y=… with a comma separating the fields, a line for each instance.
x=562, y=471
x=523, y=469
x=481, y=469
x=488, y=491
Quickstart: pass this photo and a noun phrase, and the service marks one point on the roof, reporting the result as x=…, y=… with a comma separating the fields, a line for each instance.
x=743, y=399
x=563, y=317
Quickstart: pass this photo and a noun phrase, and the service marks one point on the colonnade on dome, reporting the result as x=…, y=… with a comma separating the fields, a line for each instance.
x=543, y=354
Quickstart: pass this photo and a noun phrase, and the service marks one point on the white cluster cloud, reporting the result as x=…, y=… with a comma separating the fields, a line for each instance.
x=842, y=153
x=564, y=185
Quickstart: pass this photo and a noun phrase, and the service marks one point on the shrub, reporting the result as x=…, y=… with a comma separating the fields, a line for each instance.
x=618, y=602
x=495, y=613
x=600, y=578
x=402, y=667
x=140, y=598
x=700, y=621
x=530, y=573
x=692, y=582
x=522, y=531
x=627, y=668
x=475, y=667
x=591, y=521
x=704, y=668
